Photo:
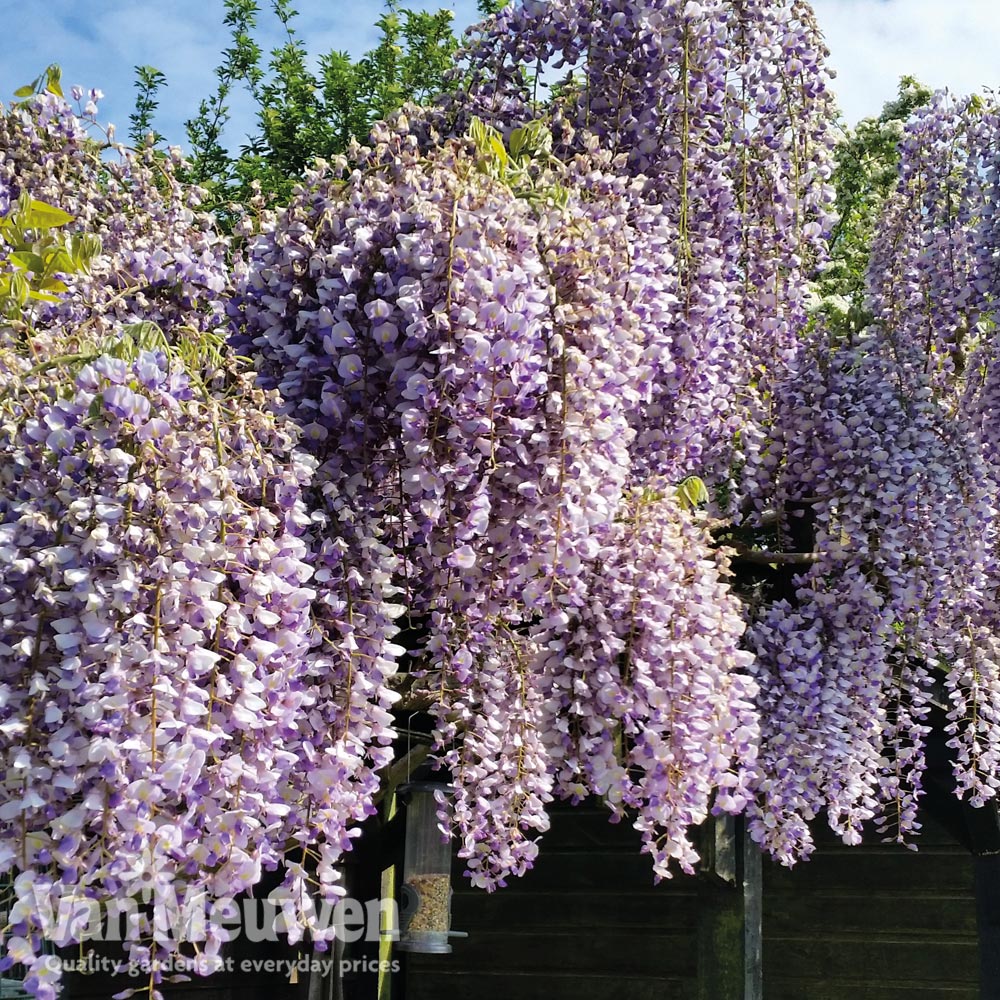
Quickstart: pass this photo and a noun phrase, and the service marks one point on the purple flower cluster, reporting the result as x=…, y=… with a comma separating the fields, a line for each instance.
x=844, y=671
x=933, y=284
x=723, y=109
x=480, y=374
x=648, y=700
x=890, y=442
x=478, y=369
x=156, y=679
x=161, y=260
x=187, y=695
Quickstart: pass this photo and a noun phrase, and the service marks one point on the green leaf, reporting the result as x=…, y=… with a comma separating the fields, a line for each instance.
x=518, y=141
x=26, y=91
x=83, y=249
x=43, y=216
x=28, y=261
x=59, y=260
x=19, y=290
x=53, y=78
x=44, y=296
x=692, y=493
x=497, y=149
x=53, y=285
x=146, y=336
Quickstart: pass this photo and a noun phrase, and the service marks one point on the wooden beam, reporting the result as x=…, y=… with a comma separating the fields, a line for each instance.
x=983, y=825
x=729, y=914
x=753, y=918
x=988, y=920
x=400, y=770
x=763, y=557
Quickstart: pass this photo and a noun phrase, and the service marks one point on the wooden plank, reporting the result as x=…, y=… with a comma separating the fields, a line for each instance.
x=663, y=954
x=876, y=922
x=753, y=892
x=588, y=922
x=78, y=987
x=514, y=986
x=983, y=826
x=876, y=870
x=718, y=842
x=721, y=972
x=219, y=986
x=832, y=958
x=988, y=921
x=809, y=989
x=729, y=931
x=589, y=829
x=831, y=910
x=99, y=985
x=542, y=912
x=838, y=850
x=595, y=871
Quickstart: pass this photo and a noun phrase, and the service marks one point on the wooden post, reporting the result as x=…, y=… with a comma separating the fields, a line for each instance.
x=983, y=829
x=988, y=920
x=729, y=914
x=753, y=918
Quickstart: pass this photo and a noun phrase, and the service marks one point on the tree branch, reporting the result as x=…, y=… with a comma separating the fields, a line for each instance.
x=766, y=558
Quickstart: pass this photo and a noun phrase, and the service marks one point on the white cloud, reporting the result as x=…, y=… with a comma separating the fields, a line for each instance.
x=943, y=43
x=873, y=42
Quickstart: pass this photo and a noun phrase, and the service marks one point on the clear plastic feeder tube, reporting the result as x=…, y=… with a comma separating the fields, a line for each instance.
x=425, y=910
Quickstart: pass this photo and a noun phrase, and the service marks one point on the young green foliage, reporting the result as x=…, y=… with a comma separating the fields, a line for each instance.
x=38, y=255
x=866, y=173
x=518, y=163
x=211, y=164
x=47, y=82
x=148, y=81
x=302, y=114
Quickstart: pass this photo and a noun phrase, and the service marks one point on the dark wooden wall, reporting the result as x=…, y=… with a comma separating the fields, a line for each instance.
x=874, y=922
x=870, y=923
x=586, y=923
x=238, y=984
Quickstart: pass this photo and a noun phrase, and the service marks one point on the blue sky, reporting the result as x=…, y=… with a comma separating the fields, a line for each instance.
x=98, y=44
x=873, y=42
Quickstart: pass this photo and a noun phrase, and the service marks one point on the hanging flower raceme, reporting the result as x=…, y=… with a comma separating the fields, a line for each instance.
x=188, y=690
x=845, y=669
x=923, y=286
x=469, y=337
x=933, y=284
x=155, y=635
x=648, y=701
x=883, y=442
x=973, y=655
x=159, y=261
x=723, y=107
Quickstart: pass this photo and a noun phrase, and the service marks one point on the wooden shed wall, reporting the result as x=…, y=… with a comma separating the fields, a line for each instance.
x=586, y=922
x=874, y=922
x=869, y=923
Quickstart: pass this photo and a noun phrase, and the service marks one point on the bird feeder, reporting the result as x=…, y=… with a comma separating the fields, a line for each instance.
x=425, y=910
